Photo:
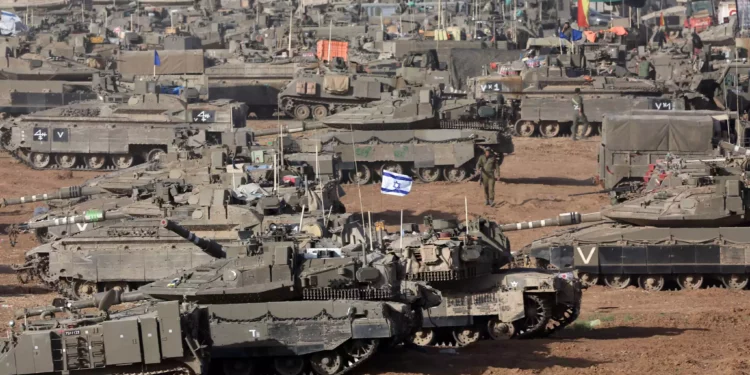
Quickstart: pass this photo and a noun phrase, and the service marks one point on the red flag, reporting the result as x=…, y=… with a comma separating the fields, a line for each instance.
x=661, y=20
x=583, y=14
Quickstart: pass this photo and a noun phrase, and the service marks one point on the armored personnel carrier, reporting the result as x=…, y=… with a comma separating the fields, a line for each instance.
x=275, y=307
x=484, y=296
x=688, y=234
x=320, y=95
x=422, y=135
x=107, y=133
x=541, y=98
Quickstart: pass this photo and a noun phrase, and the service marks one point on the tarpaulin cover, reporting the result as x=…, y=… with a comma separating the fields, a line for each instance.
x=743, y=13
x=172, y=62
x=338, y=49
x=336, y=84
x=468, y=62
x=658, y=133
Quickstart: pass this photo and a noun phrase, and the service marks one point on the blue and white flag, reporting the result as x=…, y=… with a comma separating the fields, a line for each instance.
x=395, y=184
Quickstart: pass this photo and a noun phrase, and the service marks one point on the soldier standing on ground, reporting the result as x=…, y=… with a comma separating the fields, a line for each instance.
x=579, y=116
x=486, y=166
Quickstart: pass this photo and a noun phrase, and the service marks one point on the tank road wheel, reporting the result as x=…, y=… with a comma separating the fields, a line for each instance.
x=123, y=161
x=237, y=367
x=326, y=362
x=588, y=279
x=360, y=348
x=319, y=112
x=429, y=174
x=392, y=167
x=537, y=313
x=423, y=337
x=39, y=160
x=302, y=112
x=455, y=174
x=288, y=365
x=525, y=128
x=690, y=281
x=155, y=155
x=466, y=335
x=66, y=161
x=651, y=283
x=84, y=289
x=617, y=281
x=95, y=161
x=362, y=176
x=735, y=281
x=589, y=131
x=498, y=330
x=550, y=129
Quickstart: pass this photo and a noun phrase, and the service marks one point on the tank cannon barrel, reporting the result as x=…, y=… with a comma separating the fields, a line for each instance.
x=734, y=149
x=90, y=216
x=62, y=193
x=210, y=247
x=102, y=300
x=568, y=218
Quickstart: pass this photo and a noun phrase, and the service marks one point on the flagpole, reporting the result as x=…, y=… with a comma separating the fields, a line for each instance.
x=401, y=245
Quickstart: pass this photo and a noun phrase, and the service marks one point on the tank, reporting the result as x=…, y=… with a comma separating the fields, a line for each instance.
x=276, y=308
x=98, y=135
x=688, y=234
x=485, y=294
x=44, y=69
x=541, y=98
x=98, y=250
x=317, y=96
x=452, y=134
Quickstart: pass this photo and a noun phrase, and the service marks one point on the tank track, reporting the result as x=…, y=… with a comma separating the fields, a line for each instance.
x=552, y=322
x=16, y=155
x=312, y=102
x=177, y=370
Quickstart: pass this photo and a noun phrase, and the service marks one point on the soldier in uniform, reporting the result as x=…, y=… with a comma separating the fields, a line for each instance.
x=486, y=166
x=579, y=116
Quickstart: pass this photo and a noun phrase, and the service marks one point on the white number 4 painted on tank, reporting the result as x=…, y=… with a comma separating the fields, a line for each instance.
x=203, y=116
x=40, y=135
x=254, y=333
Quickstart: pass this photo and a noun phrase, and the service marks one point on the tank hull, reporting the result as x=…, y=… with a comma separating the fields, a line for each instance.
x=620, y=255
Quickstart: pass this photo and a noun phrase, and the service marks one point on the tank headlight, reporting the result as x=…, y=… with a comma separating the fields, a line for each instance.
x=12, y=324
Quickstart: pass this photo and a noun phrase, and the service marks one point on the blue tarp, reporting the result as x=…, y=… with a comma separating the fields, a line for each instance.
x=575, y=34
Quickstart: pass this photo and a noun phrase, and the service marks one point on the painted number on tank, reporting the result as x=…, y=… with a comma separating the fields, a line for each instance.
x=59, y=135
x=661, y=104
x=73, y=333
x=491, y=87
x=254, y=333
x=203, y=116
x=41, y=134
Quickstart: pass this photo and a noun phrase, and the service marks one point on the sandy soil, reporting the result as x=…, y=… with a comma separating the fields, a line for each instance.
x=619, y=332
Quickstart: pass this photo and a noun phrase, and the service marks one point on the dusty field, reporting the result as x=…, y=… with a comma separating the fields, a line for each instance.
x=623, y=332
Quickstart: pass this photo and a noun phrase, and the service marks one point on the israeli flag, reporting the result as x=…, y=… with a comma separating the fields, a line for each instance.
x=395, y=184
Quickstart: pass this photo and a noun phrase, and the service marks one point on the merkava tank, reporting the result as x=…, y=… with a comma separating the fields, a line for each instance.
x=120, y=131
x=275, y=307
x=485, y=296
x=317, y=96
x=423, y=135
x=123, y=246
x=541, y=98
x=688, y=233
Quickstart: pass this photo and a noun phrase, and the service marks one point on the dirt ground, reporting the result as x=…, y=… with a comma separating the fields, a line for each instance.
x=619, y=332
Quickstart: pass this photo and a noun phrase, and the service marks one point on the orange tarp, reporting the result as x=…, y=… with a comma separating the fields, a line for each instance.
x=338, y=49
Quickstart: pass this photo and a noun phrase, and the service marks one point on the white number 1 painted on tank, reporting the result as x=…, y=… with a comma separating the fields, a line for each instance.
x=586, y=259
x=254, y=333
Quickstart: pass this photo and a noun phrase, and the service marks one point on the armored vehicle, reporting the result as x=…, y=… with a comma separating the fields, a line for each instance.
x=541, y=99
x=688, y=234
x=28, y=69
x=484, y=294
x=276, y=306
x=99, y=134
x=320, y=95
x=423, y=135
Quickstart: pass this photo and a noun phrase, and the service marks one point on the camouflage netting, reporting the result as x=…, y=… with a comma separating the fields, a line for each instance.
x=468, y=62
